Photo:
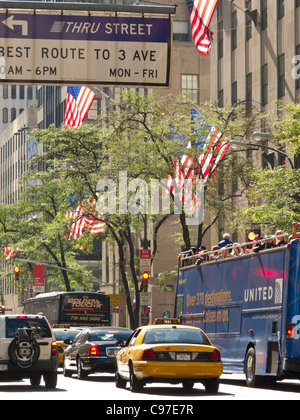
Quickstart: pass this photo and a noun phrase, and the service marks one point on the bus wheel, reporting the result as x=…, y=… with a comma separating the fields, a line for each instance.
x=251, y=378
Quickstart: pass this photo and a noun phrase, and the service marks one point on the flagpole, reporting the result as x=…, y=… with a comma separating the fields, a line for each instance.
x=252, y=14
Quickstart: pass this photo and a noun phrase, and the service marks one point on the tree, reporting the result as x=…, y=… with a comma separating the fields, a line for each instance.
x=123, y=152
x=274, y=195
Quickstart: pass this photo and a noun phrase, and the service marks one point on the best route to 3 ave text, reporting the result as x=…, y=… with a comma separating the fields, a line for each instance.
x=154, y=409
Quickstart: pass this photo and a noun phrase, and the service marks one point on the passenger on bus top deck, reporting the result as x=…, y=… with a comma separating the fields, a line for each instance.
x=295, y=234
x=214, y=256
x=235, y=250
x=281, y=239
x=225, y=241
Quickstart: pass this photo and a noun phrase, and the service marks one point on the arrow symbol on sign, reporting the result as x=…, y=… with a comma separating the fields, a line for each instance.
x=11, y=23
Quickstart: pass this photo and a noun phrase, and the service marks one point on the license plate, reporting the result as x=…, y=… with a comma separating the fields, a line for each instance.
x=3, y=367
x=183, y=356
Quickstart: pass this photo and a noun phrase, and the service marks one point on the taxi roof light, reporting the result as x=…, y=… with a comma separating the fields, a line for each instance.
x=170, y=321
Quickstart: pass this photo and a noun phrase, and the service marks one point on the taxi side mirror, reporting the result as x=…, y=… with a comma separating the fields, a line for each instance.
x=68, y=341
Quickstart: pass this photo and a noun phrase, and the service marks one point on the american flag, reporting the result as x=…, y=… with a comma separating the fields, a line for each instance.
x=79, y=101
x=204, y=167
x=83, y=222
x=201, y=13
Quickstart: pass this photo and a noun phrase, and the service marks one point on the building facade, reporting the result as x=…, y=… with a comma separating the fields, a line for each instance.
x=256, y=61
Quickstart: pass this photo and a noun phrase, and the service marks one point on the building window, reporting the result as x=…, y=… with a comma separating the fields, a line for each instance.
x=234, y=93
x=93, y=111
x=220, y=40
x=234, y=30
x=264, y=84
x=5, y=115
x=221, y=98
x=264, y=14
x=13, y=91
x=13, y=114
x=181, y=30
x=280, y=9
x=281, y=76
x=5, y=91
x=249, y=91
x=22, y=91
x=190, y=87
x=248, y=21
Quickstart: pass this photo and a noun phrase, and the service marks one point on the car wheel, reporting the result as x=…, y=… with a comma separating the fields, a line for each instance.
x=67, y=373
x=80, y=372
x=212, y=386
x=135, y=384
x=252, y=379
x=120, y=382
x=35, y=380
x=50, y=379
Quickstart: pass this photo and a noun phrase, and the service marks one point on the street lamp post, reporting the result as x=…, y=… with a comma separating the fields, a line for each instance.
x=256, y=146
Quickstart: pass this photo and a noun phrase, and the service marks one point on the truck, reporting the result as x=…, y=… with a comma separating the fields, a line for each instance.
x=249, y=306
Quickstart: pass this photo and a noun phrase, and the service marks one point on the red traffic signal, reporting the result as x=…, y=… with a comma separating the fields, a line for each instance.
x=17, y=273
x=145, y=276
x=3, y=307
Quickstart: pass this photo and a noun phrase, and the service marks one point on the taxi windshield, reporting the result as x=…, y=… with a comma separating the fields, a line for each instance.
x=175, y=335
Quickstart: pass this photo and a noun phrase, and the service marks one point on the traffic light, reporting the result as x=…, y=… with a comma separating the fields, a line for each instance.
x=3, y=307
x=17, y=273
x=145, y=278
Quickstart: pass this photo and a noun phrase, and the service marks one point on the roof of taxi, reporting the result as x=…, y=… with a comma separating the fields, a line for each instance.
x=147, y=327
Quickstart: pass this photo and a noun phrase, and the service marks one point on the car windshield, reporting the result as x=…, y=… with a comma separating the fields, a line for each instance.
x=175, y=335
x=63, y=335
x=39, y=327
x=109, y=335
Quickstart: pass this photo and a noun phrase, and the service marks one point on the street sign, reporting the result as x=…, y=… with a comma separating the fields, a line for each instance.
x=115, y=300
x=145, y=298
x=38, y=284
x=95, y=48
x=145, y=260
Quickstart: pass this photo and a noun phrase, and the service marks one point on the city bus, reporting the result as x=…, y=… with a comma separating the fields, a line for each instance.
x=73, y=308
x=249, y=306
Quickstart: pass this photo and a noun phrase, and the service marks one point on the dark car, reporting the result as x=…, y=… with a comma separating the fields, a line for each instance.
x=93, y=350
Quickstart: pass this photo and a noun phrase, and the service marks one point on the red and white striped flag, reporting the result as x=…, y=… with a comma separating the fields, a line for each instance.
x=79, y=101
x=83, y=222
x=201, y=13
x=187, y=170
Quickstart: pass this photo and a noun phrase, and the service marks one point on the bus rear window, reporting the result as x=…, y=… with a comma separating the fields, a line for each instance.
x=40, y=327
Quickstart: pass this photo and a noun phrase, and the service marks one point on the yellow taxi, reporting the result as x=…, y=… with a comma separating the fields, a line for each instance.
x=171, y=353
x=62, y=332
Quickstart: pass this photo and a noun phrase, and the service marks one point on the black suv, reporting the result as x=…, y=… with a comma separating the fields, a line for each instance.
x=28, y=349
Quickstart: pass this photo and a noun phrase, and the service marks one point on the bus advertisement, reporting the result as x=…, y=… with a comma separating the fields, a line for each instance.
x=73, y=308
x=249, y=306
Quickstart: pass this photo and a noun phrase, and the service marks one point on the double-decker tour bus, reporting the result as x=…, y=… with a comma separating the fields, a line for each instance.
x=73, y=308
x=249, y=306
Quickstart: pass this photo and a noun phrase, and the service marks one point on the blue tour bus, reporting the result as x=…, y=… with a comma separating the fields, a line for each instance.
x=249, y=306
